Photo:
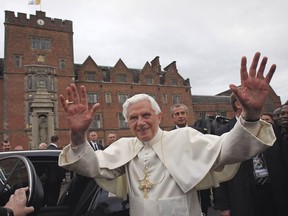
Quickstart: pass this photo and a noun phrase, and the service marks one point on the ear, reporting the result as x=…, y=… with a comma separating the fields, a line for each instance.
x=159, y=115
x=238, y=105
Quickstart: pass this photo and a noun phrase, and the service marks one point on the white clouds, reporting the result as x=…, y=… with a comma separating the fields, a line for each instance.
x=205, y=38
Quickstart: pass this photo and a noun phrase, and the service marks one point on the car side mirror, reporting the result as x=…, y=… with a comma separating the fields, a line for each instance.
x=16, y=172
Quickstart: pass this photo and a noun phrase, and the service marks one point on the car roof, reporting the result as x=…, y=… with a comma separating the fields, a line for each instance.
x=32, y=153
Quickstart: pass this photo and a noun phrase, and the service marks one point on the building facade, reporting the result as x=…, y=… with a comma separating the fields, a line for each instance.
x=38, y=65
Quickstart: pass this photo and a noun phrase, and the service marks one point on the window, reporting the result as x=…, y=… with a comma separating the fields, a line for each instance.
x=97, y=121
x=121, y=120
x=92, y=97
x=122, y=98
x=149, y=80
x=106, y=77
x=223, y=113
x=108, y=98
x=18, y=61
x=29, y=83
x=90, y=76
x=121, y=78
x=62, y=64
x=176, y=99
x=164, y=98
x=174, y=82
x=40, y=43
x=100, y=141
x=202, y=114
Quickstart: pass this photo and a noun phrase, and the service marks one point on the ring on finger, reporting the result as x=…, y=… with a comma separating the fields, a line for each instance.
x=68, y=102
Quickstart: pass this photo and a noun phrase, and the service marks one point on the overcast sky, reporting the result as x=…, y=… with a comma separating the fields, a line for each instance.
x=206, y=38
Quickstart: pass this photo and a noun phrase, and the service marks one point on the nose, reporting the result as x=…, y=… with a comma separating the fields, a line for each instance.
x=140, y=120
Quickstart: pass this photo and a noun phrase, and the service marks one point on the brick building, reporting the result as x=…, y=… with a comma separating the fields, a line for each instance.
x=219, y=104
x=38, y=65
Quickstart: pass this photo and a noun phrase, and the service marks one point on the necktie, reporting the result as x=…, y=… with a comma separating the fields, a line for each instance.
x=95, y=146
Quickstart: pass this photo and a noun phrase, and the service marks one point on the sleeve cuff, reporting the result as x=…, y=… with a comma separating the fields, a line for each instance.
x=253, y=127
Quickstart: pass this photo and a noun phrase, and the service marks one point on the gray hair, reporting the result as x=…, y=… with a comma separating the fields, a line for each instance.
x=177, y=106
x=137, y=98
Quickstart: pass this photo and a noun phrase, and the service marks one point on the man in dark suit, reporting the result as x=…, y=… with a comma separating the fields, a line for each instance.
x=256, y=188
x=179, y=114
x=54, y=143
x=93, y=136
x=55, y=176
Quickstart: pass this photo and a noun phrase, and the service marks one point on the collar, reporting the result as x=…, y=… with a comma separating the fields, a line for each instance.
x=155, y=139
x=177, y=127
x=53, y=144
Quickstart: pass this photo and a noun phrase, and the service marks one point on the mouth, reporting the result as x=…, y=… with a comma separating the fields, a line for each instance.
x=142, y=129
x=284, y=121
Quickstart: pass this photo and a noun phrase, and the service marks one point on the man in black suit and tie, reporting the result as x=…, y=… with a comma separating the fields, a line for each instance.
x=55, y=176
x=93, y=136
x=179, y=114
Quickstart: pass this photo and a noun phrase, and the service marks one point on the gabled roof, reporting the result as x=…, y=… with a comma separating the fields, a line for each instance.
x=203, y=99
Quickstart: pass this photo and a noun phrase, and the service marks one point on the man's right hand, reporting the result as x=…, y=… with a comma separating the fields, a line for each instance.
x=78, y=114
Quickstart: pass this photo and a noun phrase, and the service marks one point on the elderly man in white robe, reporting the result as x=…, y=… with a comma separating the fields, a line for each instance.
x=163, y=170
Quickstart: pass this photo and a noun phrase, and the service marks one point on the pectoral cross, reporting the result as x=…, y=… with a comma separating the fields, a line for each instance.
x=145, y=184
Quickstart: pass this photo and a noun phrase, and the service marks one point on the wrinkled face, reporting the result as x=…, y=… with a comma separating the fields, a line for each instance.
x=180, y=117
x=267, y=118
x=6, y=146
x=111, y=138
x=93, y=136
x=284, y=116
x=142, y=120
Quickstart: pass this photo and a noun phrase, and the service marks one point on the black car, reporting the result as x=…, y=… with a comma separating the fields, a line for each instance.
x=79, y=195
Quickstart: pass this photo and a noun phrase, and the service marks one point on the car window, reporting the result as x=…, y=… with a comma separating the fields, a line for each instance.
x=52, y=176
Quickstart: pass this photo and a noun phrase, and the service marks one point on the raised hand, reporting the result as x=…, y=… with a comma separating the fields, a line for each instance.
x=254, y=87
x=78, y=114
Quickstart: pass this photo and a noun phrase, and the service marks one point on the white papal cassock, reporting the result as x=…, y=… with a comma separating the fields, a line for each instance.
x=175, y=164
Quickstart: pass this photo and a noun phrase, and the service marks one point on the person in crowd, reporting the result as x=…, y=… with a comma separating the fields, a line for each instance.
x=93, y=136
x=180, y=116
x=164, y=169
x=284, y=116
x=42, y=146
x=276, y=116
x=6, y=145
x=255, y=189
x=18, y=148
x=268, y=117
x=111, y=138
x=282, y=136
x=16, y=206
x=54, y=177
x=54, y=143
